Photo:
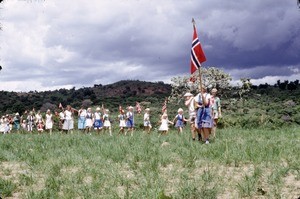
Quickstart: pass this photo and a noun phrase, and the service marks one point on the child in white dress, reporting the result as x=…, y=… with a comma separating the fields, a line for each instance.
x=164, y=127
x=147, y=123
x=49, y=121
x=122, y=120
x=106, y=121
x=89, y=120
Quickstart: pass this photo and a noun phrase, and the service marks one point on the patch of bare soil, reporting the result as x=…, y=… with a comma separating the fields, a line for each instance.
x=13, y=170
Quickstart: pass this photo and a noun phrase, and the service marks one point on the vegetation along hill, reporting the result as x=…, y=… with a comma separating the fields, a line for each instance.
x=268, y=106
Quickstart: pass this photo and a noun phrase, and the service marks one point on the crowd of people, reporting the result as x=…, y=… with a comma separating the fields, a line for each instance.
x=204, y=109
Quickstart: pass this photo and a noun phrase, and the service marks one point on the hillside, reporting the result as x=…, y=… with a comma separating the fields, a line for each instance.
x=125, y=92
x=269, y=106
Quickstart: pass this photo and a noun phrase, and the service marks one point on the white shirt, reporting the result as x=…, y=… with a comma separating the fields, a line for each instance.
x=198, y=97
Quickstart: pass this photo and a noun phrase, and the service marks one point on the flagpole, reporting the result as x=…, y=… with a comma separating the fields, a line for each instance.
x=199, y=71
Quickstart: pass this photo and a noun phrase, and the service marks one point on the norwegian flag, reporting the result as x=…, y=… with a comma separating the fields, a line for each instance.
x=60, y=105
x=197, y=54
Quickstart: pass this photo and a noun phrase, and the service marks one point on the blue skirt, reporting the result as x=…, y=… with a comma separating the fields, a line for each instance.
x=179, y=123
x=129, y=123
x=98, y=124
x=81, y=122
x=204, y=118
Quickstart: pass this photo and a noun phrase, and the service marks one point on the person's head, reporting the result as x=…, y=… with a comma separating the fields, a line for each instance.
x=164, y=116
x=188, y=95
x=147, y=110
x=48, y=111
x=98, y=109
x=203, y=88
x=180, y=110
x=89, y=109
x=214, y=91
x=130, y=108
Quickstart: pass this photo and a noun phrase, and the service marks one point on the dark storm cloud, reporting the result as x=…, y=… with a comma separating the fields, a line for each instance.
x=64, y=44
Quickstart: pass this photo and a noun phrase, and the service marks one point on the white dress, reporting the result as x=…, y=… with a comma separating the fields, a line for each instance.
x=68, y=123
x=89, y=119
x=147, y=119
x=106, y=121
x=122, y=120
x=164, y=125
x=49, y=123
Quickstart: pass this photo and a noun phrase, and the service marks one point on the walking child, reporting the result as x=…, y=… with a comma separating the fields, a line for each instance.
x=164, y=126
x=106, y=121
x=89, y=121
x=147, y=123
x=180, y=119
x=129, y=120
x=122, y=120
x=98, y=124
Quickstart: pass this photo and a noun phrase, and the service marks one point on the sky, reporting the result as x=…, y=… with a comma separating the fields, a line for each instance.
x=53, y=44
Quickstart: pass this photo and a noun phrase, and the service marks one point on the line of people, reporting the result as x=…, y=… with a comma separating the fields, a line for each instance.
x=204, y=110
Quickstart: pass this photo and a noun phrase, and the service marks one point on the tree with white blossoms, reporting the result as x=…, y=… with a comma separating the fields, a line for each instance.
x=212, y=77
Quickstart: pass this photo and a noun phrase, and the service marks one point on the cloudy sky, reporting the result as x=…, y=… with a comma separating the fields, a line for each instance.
x=52, y=44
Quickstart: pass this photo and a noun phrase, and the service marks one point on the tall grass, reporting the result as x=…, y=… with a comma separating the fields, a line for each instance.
x=238, y=163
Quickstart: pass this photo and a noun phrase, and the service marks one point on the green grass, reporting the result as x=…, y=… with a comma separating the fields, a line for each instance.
x=238, y=163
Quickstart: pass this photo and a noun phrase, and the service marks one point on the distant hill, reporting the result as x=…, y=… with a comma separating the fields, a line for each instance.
x=125, y=92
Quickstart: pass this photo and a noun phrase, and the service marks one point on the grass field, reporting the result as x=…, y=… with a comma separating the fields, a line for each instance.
x=237, y=164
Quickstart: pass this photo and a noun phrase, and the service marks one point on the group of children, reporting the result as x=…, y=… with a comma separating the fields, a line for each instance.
x=27, y=122
x=87, y=120
x=203, y=109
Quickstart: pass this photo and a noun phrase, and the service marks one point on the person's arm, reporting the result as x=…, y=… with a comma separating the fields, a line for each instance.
x=219, y=108
x=173, y=121
x=206, y=98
